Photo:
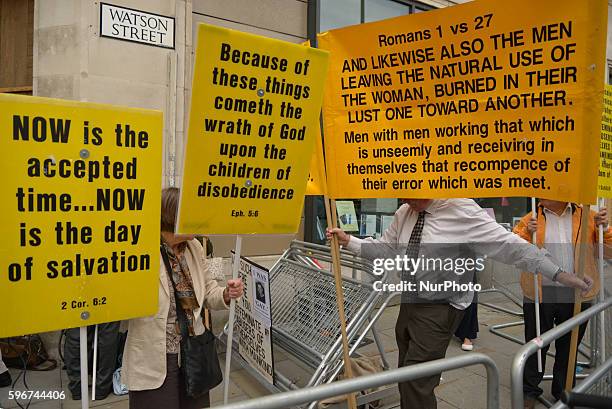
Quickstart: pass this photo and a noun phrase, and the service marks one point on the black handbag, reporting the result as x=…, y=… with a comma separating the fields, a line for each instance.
x=199, y=360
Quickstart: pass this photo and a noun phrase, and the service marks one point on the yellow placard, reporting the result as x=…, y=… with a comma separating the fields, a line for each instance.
x=483, y=99
x=317, y=181
x=81, y=200
x=604, y=188
x=317, y=184
x=254, y=117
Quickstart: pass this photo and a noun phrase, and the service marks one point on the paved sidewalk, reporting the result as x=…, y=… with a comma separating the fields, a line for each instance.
x=461, y=388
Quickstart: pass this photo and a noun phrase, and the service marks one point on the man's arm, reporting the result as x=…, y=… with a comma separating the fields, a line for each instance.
x=491, y=239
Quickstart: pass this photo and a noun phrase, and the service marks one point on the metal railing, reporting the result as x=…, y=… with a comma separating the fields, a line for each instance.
x=530, y=348
x=585, y=386
x=308, y=395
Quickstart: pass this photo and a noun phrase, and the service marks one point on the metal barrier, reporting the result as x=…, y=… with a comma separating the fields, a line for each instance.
x=304, y=312
x=308, y=395
x=530, y=348
x=602, y=373
x=305, y=317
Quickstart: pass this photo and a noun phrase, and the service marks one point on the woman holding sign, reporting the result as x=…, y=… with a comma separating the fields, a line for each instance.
x=155, y=344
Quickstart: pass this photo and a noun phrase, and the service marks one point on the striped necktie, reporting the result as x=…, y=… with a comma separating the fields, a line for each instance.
x=412, y=252
x=415, y=237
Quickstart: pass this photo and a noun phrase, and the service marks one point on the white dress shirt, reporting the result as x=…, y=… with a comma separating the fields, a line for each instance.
x=463, y=221
x=559, y=240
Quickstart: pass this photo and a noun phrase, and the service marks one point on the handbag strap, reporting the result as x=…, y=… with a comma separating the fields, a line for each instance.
x=180, y=313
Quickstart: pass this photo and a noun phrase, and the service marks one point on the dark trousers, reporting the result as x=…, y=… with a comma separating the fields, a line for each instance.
x=171, y=395
x=423, y=332
x=552, y=313
x=108, y=335
x=468, y=328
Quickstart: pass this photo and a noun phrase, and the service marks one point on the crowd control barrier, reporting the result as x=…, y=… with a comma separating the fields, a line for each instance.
x=305, y=321
x=301, y=397
x=598, y=384
x=530, y=348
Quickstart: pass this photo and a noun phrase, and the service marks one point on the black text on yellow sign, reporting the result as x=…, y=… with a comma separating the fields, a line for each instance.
x=254, y=117
x=80, y=205
x=484, y=99
x=604, y=188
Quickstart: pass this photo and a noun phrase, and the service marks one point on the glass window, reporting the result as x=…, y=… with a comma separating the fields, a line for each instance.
x=381, y=9
x=339, y=13
x=508, y=210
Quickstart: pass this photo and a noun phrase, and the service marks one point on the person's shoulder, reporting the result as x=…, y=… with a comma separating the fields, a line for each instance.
x=461, y=207
x=195, y=246
x=402, y=210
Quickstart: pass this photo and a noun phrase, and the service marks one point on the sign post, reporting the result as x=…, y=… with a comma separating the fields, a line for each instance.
x=482, y=99
x=94, y=370
x=82, y=216
x=253, y=122
x=604, y=191
x=254, y=118
x=602, y=288
x=82, y=213
x=232, y=318
x=84, y=368
x=536, y=286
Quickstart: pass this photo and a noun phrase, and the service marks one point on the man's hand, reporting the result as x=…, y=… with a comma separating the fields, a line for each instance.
x=532, y=226
x=342, y=237
x=233, y=290
x=601, y=218
x=571, y=280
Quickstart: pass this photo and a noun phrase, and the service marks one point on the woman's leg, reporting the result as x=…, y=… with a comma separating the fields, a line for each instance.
x=167, y=396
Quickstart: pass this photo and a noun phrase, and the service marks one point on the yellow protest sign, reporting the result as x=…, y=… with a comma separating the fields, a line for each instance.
x=81, y=200
x=605, y=155
x=254, y=117
x=483, y=99
x=317, y=184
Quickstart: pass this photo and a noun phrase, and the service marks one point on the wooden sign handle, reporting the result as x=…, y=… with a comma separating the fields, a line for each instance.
x=581, y=263
x=332, y=221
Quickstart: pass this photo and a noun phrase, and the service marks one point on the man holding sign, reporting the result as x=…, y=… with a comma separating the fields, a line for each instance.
x=557, y=228
x=426, y=324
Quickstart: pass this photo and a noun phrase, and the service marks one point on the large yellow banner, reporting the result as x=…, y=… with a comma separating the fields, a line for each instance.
x=605, y=155
x=483, y=99
x=80, y=213
x=254, y=117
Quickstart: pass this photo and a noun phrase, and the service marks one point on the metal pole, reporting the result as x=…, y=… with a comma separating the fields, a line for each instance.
x=602, y=291
x=407, y=373
x=84, y=374
x=230, y=323
x=95, y=364
x=518, y=364
x=536, y=285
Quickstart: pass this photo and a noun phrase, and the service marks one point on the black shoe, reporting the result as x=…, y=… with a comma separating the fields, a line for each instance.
x=5, y=379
